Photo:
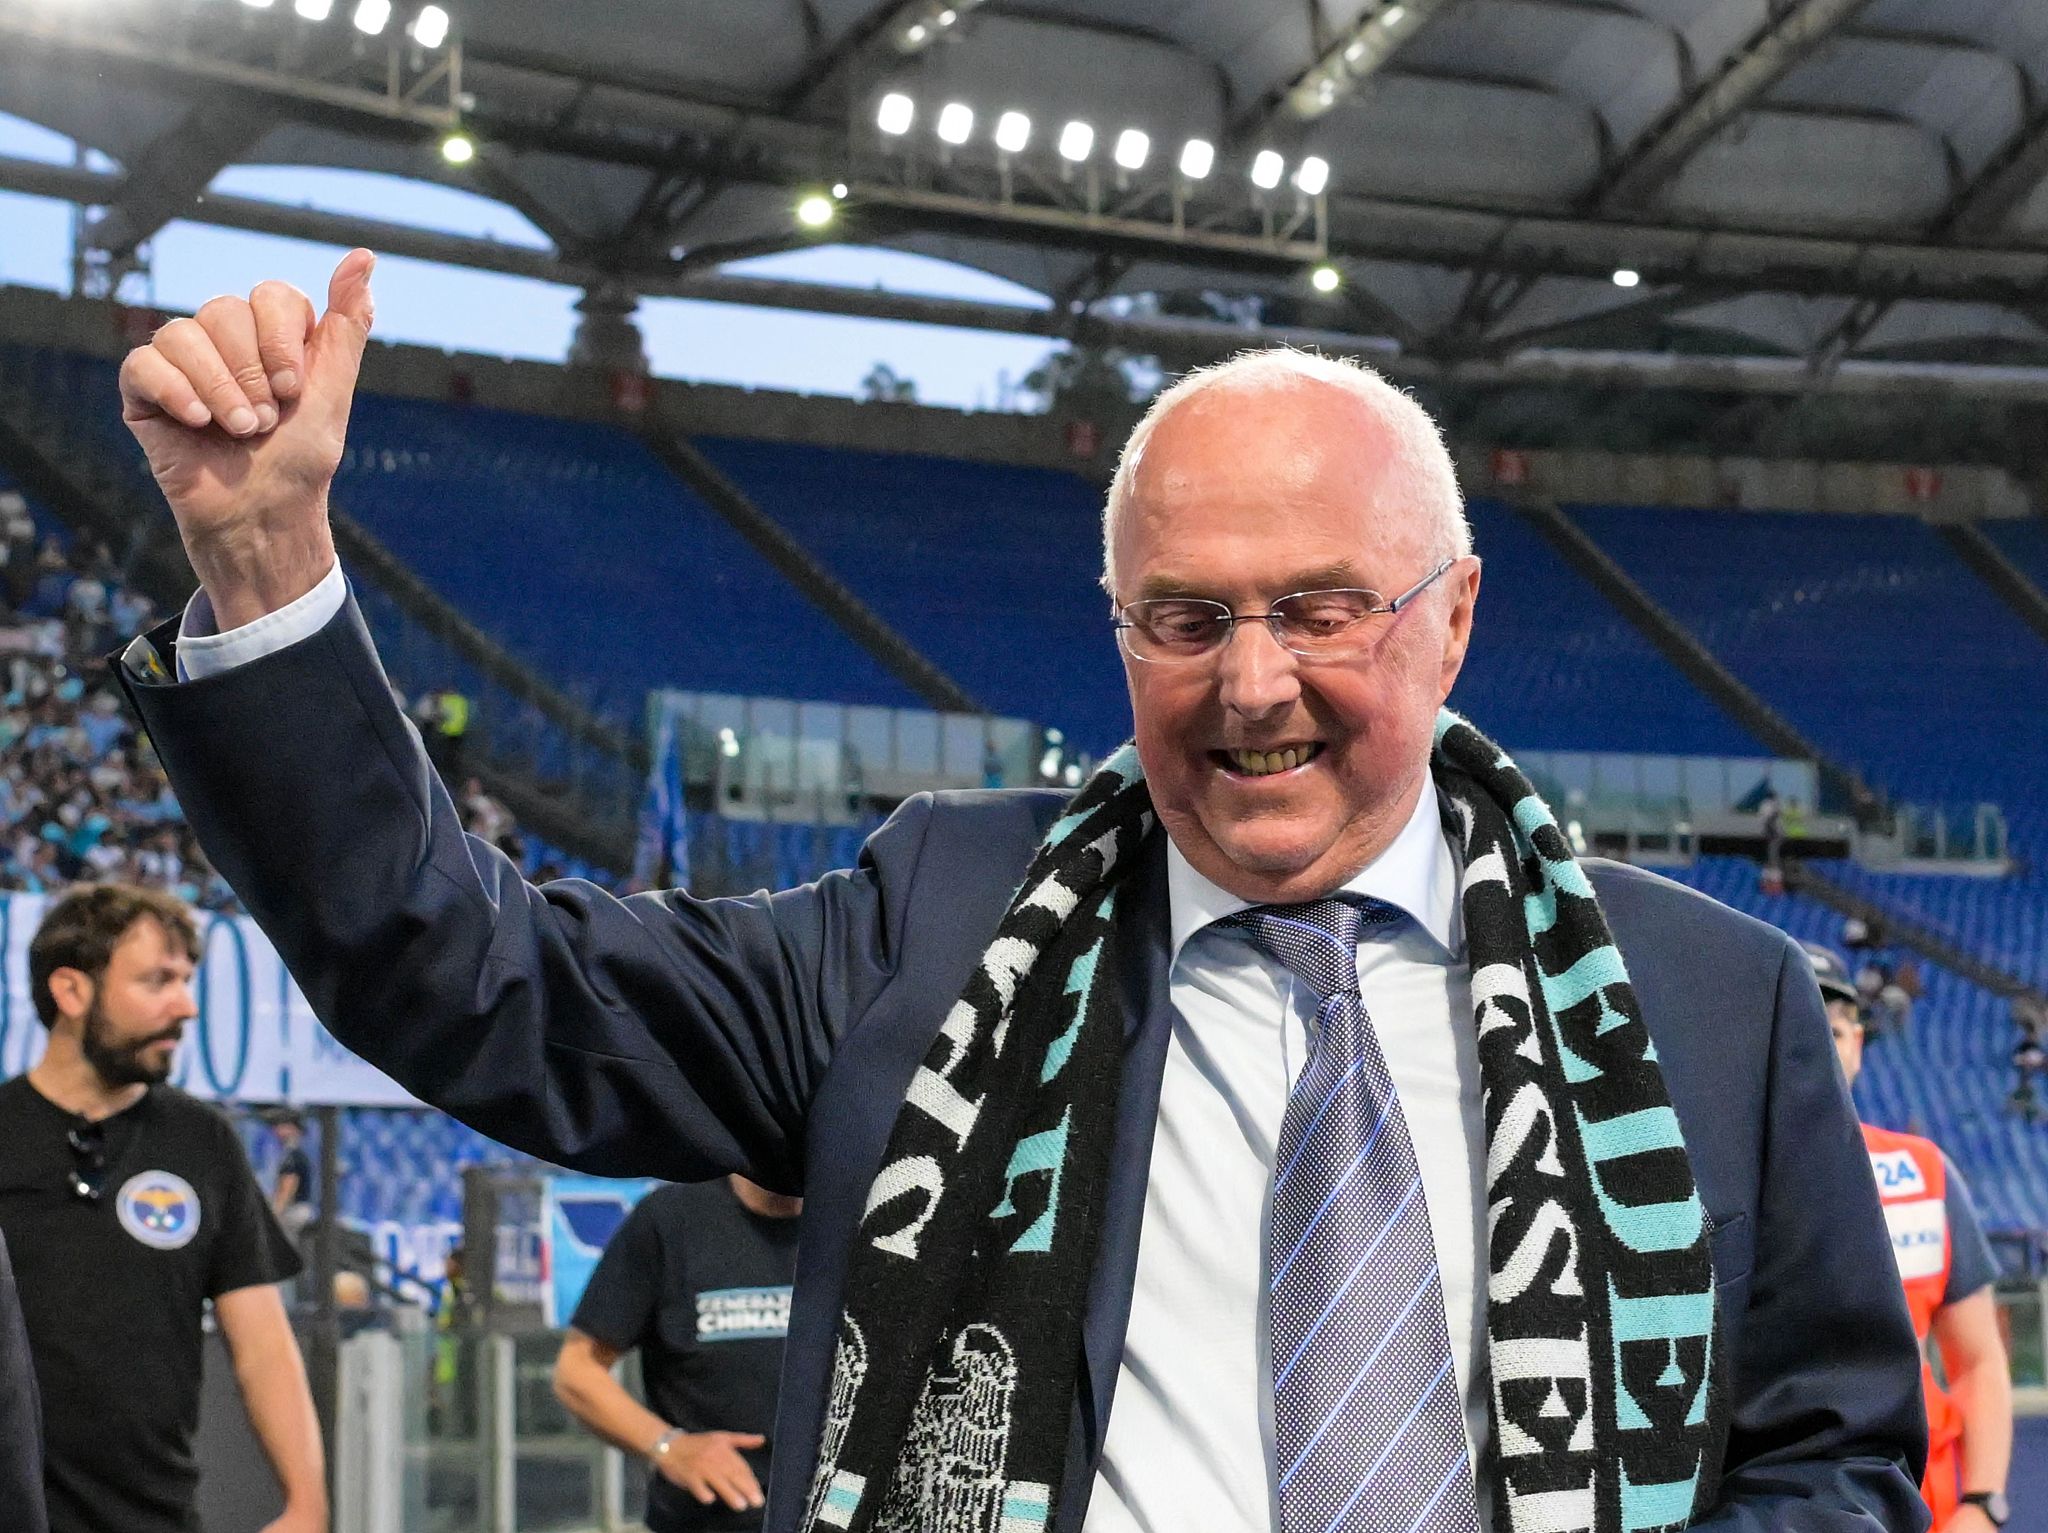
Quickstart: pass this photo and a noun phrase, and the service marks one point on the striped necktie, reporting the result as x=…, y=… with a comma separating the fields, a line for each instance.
x=1369, y=1428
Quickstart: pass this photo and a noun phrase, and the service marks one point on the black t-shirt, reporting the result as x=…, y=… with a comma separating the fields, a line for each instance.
x=701, y=1287
x=295, y=1162
x=113, y=1292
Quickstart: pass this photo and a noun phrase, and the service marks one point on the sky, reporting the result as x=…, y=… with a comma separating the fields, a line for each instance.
x=463, y=310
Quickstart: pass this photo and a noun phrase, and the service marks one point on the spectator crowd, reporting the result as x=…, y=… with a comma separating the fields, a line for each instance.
x=81, y=794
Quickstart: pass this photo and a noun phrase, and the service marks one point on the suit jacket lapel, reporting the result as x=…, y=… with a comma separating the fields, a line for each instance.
x=1144, y=938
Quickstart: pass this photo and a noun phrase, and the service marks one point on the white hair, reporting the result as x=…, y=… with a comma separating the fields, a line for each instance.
x=1422, y=459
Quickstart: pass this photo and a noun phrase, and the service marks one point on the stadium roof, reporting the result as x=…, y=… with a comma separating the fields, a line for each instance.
x=1799, y=185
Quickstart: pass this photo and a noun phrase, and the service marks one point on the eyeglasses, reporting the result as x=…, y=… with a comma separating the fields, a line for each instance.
x=88, y=1143
x=1317, y=625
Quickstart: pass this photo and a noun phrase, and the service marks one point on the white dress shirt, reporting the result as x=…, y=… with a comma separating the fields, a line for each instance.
x=1190, y=1442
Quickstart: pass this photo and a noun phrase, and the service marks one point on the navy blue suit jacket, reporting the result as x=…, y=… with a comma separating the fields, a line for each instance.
x=775, y=1035
x=21, y=1415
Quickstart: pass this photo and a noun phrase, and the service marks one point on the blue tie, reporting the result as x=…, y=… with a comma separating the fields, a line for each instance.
x=1369, y=1427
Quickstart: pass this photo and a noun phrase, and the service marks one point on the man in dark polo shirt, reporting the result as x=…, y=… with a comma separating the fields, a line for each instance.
x=697, y=1280
x=127, y=1206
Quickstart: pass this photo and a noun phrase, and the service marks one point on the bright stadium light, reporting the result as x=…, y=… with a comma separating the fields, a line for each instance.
x=372, y=16
x=1627, y=276
x=314, y=10
x=1133, y=149
x=1267, y=169
x=458, y=149
x=1312, y=175
x=257, y=5
x=1393, y=15
x=1077, y=141
x=430, y=27
x=1013, y=132
x=1197, y=158
x=839, y=190
x=917, y=34
x=1325, y=279
x=956, y=122
x=896, y=113
x=815, y=211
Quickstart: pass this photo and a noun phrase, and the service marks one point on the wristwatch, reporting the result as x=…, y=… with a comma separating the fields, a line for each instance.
x=662, y=1444
x=1994, y=1504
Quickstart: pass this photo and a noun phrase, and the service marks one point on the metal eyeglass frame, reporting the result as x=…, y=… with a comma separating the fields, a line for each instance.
x=1230, y=619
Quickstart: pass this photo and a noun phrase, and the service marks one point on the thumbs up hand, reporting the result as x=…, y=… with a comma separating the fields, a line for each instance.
x=242, y=411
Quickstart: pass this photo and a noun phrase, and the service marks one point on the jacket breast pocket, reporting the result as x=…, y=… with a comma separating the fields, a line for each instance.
x=1733, y=1243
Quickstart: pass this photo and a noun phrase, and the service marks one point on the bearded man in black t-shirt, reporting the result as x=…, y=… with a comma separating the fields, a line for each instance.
x=697, y=1280
x=127, y=1206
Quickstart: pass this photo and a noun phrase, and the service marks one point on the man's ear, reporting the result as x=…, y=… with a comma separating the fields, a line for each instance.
x=72, y=990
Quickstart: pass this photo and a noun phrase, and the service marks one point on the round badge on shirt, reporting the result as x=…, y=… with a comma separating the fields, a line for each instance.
x=159, y=1209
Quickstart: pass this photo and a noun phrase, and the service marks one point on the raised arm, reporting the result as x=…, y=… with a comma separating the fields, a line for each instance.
x=662, y=1035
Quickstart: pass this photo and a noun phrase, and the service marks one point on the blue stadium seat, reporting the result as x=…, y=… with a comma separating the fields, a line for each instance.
x=1946, y=1077
x=992, y=571
x=1865, y=630
x=1554, y=666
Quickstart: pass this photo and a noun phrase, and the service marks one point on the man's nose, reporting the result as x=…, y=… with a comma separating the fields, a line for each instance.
x=1257, y=676
x=184, y=1006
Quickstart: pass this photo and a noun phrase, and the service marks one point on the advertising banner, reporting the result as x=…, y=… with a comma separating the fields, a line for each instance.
x=255, y=1038
x=579, y=1216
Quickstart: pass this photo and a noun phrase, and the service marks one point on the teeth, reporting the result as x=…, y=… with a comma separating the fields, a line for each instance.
x=1266, y=763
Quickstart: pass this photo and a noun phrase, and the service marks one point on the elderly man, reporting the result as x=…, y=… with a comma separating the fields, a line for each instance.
x=1291, y=1088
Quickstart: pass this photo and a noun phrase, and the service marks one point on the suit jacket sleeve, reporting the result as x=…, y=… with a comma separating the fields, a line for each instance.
x=21, y=1414
x=1829, y=1432
x=658, y=1035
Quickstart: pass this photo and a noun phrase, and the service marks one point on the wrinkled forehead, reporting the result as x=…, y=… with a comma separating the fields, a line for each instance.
x=1303, y=461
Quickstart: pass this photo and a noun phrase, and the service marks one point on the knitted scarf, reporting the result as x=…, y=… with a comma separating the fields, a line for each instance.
x=958, y=1349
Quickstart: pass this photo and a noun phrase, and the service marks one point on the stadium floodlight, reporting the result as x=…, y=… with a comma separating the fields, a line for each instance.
x=372, y=16
x=1197, y=158
x=430, y=27
x=257, y=5
x=1133, y=148
x=1325, y=279
x=1013, y=132
x=896, y=113
x=314, y=10
x=1627, y=276
x=1267, y=169
x=948, y=17
x=917, y=34
x=956, y=122
x=1077, y=141
x=1393, y=15
x=815, y=211
x=839, y=190
x=1312, y=175
x=458, y=149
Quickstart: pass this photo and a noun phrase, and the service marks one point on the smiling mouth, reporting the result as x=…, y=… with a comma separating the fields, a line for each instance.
x=1250, y=763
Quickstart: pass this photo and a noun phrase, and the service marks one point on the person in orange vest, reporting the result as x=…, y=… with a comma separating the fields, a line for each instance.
x=1948, y=1269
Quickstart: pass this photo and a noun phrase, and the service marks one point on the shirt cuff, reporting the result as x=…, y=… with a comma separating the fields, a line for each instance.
x=203, y=652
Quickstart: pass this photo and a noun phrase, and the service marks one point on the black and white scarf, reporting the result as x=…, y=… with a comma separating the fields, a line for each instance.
x=959, y=1344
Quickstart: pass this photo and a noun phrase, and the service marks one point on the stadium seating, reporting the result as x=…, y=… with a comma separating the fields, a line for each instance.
x=572, y=546
x=1554, y=667
x=991, y=571
x=1818, y=616
x=1946, y=1077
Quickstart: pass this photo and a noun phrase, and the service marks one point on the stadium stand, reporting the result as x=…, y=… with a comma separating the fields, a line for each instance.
x=1552, y=659
x=990, y=570
x=1816, y=624
x=570, y=543
x=1945, y=1076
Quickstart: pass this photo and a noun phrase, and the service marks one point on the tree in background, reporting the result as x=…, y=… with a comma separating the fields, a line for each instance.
x=885, y=386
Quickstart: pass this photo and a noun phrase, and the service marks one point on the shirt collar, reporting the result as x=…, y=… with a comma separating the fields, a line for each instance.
x=1417, y=873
